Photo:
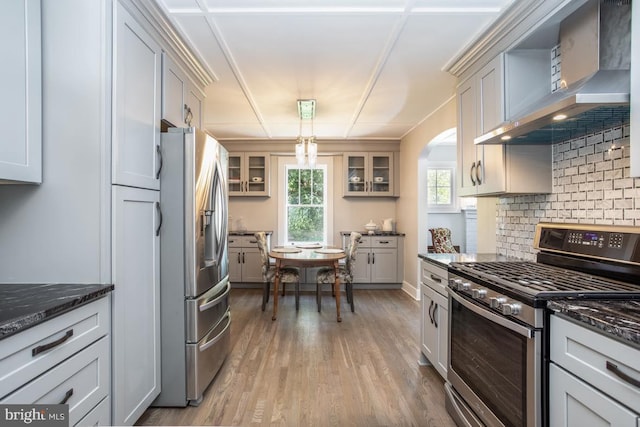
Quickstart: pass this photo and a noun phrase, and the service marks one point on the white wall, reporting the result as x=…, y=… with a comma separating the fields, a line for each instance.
x=59, y=231
x=411, y=148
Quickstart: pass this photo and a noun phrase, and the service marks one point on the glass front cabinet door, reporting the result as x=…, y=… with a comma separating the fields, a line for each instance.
x=248, y=174
x=368, y=174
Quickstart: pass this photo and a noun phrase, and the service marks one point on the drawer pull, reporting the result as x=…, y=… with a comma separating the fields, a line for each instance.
x=67, y=396
x=436, y=278
x=386, y=242
x=42, y=348
x=624, y=377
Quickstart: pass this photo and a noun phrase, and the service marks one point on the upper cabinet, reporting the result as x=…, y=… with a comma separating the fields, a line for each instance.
x=137, y=158
x=369, y=174
x=249, y=174
x=494, y=169
x=21, y=89
x=182, y=101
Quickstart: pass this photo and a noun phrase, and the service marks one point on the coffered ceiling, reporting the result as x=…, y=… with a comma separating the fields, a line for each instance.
x=375, y=67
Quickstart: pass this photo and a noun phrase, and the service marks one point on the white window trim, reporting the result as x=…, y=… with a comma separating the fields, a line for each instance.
x=454, y=207
x=282, y=195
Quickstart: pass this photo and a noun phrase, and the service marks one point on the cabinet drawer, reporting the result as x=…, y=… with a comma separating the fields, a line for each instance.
x=595, y=358
x=81, y=382
x=384, y=242
x=242, y=241
x=98, y=416
x=434, y=277
x=73, y=331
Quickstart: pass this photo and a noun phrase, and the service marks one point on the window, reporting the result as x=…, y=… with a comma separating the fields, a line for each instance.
x=305, y=206
x=441, y=196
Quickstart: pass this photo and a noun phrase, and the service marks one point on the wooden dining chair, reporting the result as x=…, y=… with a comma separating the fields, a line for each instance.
x=326, y=275
x=287, y=274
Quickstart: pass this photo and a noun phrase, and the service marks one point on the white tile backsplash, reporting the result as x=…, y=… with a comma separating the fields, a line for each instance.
x=591, y=185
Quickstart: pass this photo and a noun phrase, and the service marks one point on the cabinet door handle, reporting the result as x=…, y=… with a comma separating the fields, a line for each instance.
x=479, y=172
x=435, y=319
x=624, y=377
x=471, y=172
x=430, y=316
x=373, y=258
x=188, y=115
x=368, y=258
x=159, y=154
x=436, y=278
x=42, y=348
x=67, y=396
x=239, y=258
x=243, y=257
x=160, y=216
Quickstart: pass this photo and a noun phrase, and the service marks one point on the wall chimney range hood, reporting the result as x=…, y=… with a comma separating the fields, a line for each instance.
x=594, y=94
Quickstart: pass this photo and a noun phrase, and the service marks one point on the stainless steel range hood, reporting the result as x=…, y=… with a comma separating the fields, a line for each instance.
x=595, y=80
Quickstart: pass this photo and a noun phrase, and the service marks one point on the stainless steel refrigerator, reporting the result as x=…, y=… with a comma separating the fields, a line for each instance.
x=194, y=266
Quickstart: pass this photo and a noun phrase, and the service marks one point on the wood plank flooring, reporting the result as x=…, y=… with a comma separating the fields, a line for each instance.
x=306, y=369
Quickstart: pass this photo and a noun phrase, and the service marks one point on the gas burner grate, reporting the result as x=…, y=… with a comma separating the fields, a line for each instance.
x=542, y=280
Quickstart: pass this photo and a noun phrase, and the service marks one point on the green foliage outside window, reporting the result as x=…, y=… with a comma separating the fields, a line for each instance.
x=305, y=205
x=439, y=186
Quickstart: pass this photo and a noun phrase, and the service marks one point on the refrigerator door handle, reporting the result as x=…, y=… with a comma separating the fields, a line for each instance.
x=217, y=338
x=208, y=304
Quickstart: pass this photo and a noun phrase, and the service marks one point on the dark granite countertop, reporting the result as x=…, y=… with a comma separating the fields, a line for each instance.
x=443, y=260
x=25, y=305
x=616, y=318
x=247, y=233
x=375, y=233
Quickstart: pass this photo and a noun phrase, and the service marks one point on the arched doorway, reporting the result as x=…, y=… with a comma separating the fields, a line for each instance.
x=440, y=154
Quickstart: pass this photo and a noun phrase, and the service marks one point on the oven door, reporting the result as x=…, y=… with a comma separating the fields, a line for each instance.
x=494, y=366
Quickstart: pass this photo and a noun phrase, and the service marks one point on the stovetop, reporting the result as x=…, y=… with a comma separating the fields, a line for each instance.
x=542, y=281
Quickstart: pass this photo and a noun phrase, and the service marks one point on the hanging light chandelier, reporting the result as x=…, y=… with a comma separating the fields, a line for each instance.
x=306, y=147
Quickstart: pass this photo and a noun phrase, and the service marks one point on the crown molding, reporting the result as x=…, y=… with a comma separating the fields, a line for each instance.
x=170, y=39
x=520, y=19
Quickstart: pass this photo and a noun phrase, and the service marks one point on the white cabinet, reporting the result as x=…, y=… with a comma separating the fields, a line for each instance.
x=249, y=174
x=65, y=359
x=136, y=224
x=182, y=101
x=377, y=259
x=368, y=174
x=435, y=316
x=21, y=89
x=136, y=113
x=494, y=169
x=245, y=263
x=591, y=378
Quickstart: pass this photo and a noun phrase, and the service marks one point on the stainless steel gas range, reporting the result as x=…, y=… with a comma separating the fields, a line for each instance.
x=498, y=333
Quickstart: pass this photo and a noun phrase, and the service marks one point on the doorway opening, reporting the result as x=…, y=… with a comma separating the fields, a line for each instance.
x=438, y=203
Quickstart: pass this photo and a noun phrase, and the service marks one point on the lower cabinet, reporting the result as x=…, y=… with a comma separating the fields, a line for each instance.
x=434, y=329
x=64, y=360
x=592, y=378
x=245, y=264
x=136, y=302
x=377, y=259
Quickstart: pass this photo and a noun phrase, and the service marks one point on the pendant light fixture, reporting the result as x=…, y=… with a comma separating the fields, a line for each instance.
x=306, y=147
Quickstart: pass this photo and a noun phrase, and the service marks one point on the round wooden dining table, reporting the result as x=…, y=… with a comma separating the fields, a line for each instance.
x=306, y=257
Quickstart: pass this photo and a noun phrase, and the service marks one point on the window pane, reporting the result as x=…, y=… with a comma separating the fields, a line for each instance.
x=444, y=178
x=431, y=196
x=305, y=224
x=305, y=186
x=444, y=196
x=293, y=175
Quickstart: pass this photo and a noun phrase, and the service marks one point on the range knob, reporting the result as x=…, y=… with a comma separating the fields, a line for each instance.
x=496, y=302
x=463, y=286
x=511, y=309
x=454, y=283
x=478, y=293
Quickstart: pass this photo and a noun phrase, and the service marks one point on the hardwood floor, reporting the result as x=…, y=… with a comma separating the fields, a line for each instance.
x=306, y=369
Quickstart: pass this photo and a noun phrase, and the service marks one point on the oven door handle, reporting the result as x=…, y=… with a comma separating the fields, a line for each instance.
x=502, y=321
